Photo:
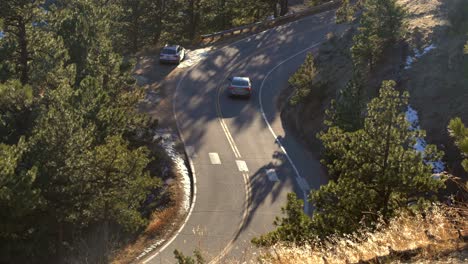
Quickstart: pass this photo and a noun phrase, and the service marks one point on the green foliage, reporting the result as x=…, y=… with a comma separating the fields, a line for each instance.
x=345, y=12
x=70, y=131
x=459, y=132
x=18, y=199
x=58, y=147
x=122, y=180
x=17, y=17
x=458, y=18
x=29, y=51
x=377, y=167
x=316, y=2
x=347, y=112
x=378, y=172
x=293, y=228
x=381, y=26
x=303, y=80
x=16, y=105
x=182, y=259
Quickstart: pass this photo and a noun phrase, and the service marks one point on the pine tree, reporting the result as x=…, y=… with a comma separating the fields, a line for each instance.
x=182, y=259
x=31, y=52
x=344, y=13
x=377, y=167
x=302, y=80
x=17, y=17
x=116, y=183
x=295, y=227
x=459, y=132
x=117, y=179
x=16, y=111
x=381, y=25
x=347, y=111
x=58, y=149
x=19, y=201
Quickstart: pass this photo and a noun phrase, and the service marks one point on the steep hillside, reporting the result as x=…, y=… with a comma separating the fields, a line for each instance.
x=438, y=80
x=429, y=64
x=437, y=236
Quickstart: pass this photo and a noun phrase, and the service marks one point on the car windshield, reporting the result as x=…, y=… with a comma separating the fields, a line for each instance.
x=168, y=51
x=240, y=82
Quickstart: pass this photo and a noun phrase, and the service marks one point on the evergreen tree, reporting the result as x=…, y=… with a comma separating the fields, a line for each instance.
x=19, y=200
x=30, y=52
x=118, y=181
x=58, y=150
x=345, y=12
x=303, y=80
x=347, y=112
x=17, y=17
x=16, y=111
x=459, y=132
x=182, y=259
x=377, y=167
x=381, y=25
x=379, y=172
x=295, y=227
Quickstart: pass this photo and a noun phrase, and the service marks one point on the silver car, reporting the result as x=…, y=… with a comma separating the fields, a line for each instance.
x=172, y=54
x=240, y=86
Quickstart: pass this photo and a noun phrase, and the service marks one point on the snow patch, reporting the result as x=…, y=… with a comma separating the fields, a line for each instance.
x=412, y=116
x=167, y=140
x=417, y=54
x=192, y=57
x=150, y=248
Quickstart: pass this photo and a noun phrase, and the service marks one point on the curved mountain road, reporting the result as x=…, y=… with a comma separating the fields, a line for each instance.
x=244, y=160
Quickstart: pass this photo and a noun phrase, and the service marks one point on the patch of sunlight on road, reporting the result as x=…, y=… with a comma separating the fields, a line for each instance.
x=194, y=56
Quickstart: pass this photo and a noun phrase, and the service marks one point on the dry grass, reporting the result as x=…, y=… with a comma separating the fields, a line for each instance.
x=159, y=222
x=426, y=236
x=161, y=225
x=425, y=16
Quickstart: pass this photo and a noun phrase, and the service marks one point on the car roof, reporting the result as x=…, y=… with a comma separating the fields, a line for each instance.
x=241, y=79
x=171, y=46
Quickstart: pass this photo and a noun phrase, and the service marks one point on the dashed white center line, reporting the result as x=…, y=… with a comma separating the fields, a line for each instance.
x=271, y=173
x=214, y=158
x=242, y=166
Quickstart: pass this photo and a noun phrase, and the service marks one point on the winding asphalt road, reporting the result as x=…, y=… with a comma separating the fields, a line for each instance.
x=245, y=161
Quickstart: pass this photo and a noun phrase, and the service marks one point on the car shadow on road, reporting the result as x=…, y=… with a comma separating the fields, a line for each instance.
x=265, y=191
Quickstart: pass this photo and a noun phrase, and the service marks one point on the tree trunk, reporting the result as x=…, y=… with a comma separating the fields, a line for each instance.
x=158, y=22
x=23, y=59
x=283, y=7
x=135, y=27
x=59, y=241
x=192, y=19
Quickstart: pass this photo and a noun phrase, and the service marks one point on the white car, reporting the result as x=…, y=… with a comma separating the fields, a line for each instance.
x=240, y=86
x=172, y=54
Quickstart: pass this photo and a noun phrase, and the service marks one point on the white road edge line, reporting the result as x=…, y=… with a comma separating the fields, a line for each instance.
x=192, y=167
x=194, y=178
x=304, y=192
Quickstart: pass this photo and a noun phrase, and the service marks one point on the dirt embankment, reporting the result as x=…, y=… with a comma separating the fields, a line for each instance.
x=436, y=77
